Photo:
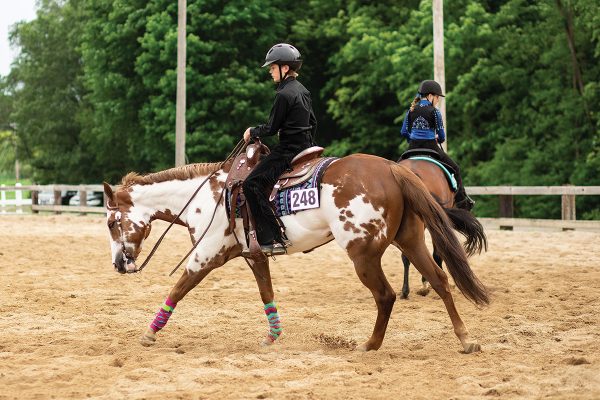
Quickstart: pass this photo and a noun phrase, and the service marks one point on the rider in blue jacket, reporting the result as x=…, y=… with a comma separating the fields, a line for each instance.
x=423, y=127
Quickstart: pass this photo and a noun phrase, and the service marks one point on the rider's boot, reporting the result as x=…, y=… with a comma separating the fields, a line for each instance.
x=462, y=200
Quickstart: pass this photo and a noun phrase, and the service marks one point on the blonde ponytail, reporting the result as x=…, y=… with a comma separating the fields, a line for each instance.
x=415, y=102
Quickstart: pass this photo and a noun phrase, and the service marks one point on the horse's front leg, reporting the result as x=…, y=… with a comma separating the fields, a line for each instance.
x=262, y=274
x=201, y=262
x=186, y=282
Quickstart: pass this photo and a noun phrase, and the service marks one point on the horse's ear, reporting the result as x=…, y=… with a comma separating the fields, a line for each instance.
x=108, y=191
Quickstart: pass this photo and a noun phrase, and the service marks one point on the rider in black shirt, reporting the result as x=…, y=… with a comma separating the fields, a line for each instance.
x=293, y=120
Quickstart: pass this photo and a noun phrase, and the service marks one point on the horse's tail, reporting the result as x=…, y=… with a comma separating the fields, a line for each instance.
x=470, y=227
x=418, y=199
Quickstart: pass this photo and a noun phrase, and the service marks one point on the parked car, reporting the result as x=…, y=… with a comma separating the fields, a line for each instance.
x=94, y=199
x=47, y=197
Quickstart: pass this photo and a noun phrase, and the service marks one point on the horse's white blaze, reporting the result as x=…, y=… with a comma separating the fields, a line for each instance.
x=115, y=248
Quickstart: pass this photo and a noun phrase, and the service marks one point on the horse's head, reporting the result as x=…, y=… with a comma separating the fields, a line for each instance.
x=127, y=228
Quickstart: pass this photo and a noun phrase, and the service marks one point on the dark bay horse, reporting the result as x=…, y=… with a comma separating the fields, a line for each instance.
x=438, y=186
x=366, y=204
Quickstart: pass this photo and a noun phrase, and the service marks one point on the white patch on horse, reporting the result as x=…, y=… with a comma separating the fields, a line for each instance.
x=358, y=213
x=214, y=238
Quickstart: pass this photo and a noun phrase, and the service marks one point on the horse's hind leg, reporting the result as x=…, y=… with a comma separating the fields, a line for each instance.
x=437, y=258
x=186, y=282
x=424, y=291
x=412, y=243
x=262, y=274
x=405, y=284
x=368, y=269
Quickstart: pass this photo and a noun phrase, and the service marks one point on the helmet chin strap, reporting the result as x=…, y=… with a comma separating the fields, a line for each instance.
x=282, y=78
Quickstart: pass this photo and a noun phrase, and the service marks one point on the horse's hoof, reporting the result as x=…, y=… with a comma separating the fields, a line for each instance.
x=362, y=347
x=472, y=348
x=367, y=347
x=423, y=291
x=269, y=341
x=404, y=296
x=148, y=338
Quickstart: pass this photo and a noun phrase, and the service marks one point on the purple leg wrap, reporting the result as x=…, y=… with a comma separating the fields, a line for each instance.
x=162, y=316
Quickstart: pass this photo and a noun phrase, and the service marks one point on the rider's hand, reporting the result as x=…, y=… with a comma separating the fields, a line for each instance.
x=247, y=135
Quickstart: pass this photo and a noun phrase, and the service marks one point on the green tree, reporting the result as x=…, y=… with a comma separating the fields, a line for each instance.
x=47, y=94
x=517, y=118
x=115, y=91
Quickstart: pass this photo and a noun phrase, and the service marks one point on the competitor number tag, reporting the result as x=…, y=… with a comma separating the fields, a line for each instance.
x=304, y=199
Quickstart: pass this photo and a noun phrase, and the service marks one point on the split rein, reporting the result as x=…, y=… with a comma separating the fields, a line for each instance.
x=234, y=153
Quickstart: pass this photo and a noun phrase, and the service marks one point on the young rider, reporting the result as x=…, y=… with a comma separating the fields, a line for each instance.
x=293, y=120
x=423, y=127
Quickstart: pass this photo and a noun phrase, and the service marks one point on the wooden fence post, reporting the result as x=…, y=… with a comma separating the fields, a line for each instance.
x=82, y=199
x=57, y=200
x=568, y=209
x=34, y=201
x=506, y=209
x=506, y=206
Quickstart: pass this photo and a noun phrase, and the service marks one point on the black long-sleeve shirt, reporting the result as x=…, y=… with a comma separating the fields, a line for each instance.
x=291, y=114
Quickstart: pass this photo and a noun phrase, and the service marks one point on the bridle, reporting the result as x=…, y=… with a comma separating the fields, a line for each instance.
x=127, y=258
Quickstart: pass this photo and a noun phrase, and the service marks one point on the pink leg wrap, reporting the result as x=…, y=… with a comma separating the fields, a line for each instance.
x=162, y=316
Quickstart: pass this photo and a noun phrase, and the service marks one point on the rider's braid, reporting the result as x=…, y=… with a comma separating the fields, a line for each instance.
x=415, y=102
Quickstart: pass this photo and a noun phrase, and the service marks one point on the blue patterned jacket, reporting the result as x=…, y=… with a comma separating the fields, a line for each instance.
x=424, y=123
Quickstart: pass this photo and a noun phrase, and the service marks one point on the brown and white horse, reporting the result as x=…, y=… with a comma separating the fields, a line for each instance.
x=366, y=204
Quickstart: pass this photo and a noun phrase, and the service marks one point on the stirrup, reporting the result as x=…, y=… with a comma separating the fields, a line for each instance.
x=269, y=250
x=274, y=249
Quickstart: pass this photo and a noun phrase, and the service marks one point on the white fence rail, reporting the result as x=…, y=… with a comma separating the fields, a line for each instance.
x=50, y=198
x=18, y=202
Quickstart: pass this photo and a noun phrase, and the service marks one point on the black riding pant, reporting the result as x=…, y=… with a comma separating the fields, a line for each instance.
x=445, y=158
x=260, y=182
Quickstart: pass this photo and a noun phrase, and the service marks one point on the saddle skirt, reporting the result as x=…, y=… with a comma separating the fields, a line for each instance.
x=433, y=157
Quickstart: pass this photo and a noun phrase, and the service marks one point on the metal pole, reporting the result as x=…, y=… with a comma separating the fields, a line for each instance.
x=180, y=108
x=438, y=57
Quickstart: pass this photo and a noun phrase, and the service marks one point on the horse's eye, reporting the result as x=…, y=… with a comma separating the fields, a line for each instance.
x=111, y=224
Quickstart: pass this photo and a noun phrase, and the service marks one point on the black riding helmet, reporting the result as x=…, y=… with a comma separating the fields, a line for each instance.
x=284, y=54
x=430, y=87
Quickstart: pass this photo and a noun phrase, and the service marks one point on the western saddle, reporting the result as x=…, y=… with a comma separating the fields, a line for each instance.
x=303, y=166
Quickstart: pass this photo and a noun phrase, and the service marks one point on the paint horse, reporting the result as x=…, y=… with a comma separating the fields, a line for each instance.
x=366, y=204
x=440, y=186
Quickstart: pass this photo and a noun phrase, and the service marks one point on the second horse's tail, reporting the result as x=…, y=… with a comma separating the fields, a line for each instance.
x=466, y=223
x=418, y=200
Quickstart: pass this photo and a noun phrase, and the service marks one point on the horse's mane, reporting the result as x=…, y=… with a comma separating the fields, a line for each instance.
x=182, y=173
